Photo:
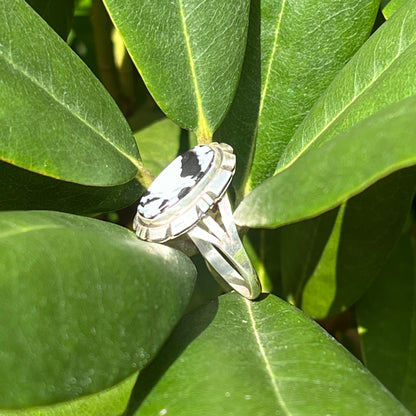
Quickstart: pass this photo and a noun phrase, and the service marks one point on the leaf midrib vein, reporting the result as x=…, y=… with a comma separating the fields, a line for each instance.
x=263, y=354
x=248, y=186
x=35, y=81
x=202, y=122
x=271, y=60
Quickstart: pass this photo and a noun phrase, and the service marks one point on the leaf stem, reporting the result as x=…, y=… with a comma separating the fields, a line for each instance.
x=143, y=175
x=204, y=135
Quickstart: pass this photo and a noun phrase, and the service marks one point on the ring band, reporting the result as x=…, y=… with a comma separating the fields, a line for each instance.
x=189, y=197
x=235, y=268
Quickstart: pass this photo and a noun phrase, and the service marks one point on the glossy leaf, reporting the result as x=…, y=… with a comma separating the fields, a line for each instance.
x=365, y=233
x=59, y=18
x=189, y=54
x=257, y=358
x=240, y=124
x=326, y=176
x=79, y=300
x=59, y=121
x=391, y=7
x=380, y=73
x=22, y=189
x=387, y=318
x=284, y=73
x=295, y=72
x=110, y=402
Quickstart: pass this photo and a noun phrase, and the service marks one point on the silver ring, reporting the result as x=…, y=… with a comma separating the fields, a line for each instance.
x=189, y=197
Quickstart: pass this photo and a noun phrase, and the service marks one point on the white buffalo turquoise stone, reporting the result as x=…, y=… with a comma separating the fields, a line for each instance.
x=176, y=181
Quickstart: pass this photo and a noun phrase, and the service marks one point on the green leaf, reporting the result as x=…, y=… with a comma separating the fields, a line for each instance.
x=110, y=402
x=236, y=357
x=295, y=72
x=240, y=124
x=22, y=189
x=387, y=318
x=284, y=73
x=391, y=7
x=59, y=18
x=365, y=233
x=56, y=118
x=322, y=287
x=79, y=299
x=380, y=73
x=327, y=176
x=189, y=54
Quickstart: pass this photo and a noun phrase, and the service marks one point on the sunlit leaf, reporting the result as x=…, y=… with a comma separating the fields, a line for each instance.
x=327, y=176
x=379, y=74
x=284, y=73
x=236, y=357
x=295, y=72
x=59, y=121
x=189, y=53
x=391, y=7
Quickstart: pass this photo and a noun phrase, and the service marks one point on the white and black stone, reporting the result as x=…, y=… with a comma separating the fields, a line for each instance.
x=176, y=181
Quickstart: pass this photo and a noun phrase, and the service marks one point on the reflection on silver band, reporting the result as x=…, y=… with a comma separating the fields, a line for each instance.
x=223, y=250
